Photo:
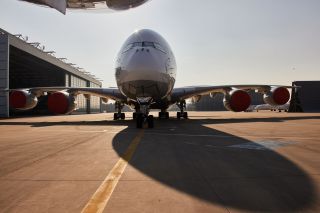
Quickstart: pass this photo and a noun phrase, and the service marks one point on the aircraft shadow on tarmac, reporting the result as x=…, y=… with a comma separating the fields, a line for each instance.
x=213, y=168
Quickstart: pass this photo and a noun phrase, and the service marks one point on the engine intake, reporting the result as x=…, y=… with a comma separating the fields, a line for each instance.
x=196, y=99
x=61, y=103
x=22, y=100
x=277, y=96
x=237, y=101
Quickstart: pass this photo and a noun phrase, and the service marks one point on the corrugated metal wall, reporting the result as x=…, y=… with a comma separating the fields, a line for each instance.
x=4, y=74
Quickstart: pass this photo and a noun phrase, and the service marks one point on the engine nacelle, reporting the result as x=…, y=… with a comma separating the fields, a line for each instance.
x=237, y=101
x=277, y=96
x=124, y=4
x=22, y=100
x=105, y=100
x=61, y=103
x=196, y=99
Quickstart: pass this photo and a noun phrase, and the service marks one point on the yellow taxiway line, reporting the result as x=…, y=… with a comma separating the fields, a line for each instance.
x=100, y=198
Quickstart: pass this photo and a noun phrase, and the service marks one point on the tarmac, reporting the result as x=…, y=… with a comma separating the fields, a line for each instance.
x=211, y=162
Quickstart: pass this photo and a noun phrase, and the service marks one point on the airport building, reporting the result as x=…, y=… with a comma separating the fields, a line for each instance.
x=306, y=97
x=25, y=64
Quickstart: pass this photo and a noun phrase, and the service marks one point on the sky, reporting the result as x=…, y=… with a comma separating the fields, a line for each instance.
x=215, y=42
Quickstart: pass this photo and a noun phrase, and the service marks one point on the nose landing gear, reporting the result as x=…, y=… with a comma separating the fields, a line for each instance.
x=142, y=119
x=143, y=116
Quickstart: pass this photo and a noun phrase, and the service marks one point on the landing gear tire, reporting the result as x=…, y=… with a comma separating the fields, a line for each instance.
x=150, y=121
x=185, y=115
x=115, y=116
x=182, y=115
x=164, y=115
x=139, y=121
x=123, y=116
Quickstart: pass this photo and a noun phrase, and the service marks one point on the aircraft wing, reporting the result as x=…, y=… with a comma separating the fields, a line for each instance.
x=108, y=93
x=236, y=96
x=61, y=100
x=183, y=93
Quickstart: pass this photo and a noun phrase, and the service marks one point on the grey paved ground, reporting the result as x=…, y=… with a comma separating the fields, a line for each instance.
x=213, y=162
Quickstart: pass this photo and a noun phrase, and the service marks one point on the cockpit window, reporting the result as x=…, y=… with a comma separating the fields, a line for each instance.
x=137, y=44
x=147, y=44
x=128, y=47
x=144, y=44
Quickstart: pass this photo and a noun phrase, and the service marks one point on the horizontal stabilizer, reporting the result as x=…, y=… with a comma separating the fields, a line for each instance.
x=59, y=5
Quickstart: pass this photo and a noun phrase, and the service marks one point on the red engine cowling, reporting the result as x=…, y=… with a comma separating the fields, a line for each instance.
x=22, y=100
x=277, y=96
x=237, y=101
x=61, y=103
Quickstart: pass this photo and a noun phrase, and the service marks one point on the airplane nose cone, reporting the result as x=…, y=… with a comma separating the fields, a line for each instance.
x=144, y=59
x=143, y=64
x=143, y=74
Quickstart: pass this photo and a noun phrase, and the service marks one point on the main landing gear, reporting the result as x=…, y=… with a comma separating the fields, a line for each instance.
x=143, y=116
x=182, y=113
x=163, y=114
x=119, y=115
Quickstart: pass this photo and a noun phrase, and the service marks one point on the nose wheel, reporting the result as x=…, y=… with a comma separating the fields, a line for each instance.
x=143, y=116
x=141, y=120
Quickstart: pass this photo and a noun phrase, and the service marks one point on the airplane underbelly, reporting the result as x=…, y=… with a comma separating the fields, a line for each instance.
x=145, y=88
x=144, y=84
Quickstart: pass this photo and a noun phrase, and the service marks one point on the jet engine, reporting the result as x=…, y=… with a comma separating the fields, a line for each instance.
x=196, y=99
x=277, y=96
x=22, y=100
x=61, y=103
x=237, y=100
x=105, y=100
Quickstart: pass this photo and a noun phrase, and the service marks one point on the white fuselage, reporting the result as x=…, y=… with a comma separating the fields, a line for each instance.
x=145, y=67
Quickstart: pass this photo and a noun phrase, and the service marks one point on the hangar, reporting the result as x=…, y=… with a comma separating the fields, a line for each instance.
x=24, y=64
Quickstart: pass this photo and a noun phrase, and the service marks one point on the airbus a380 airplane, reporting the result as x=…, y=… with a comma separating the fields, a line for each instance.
x=145, y=74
